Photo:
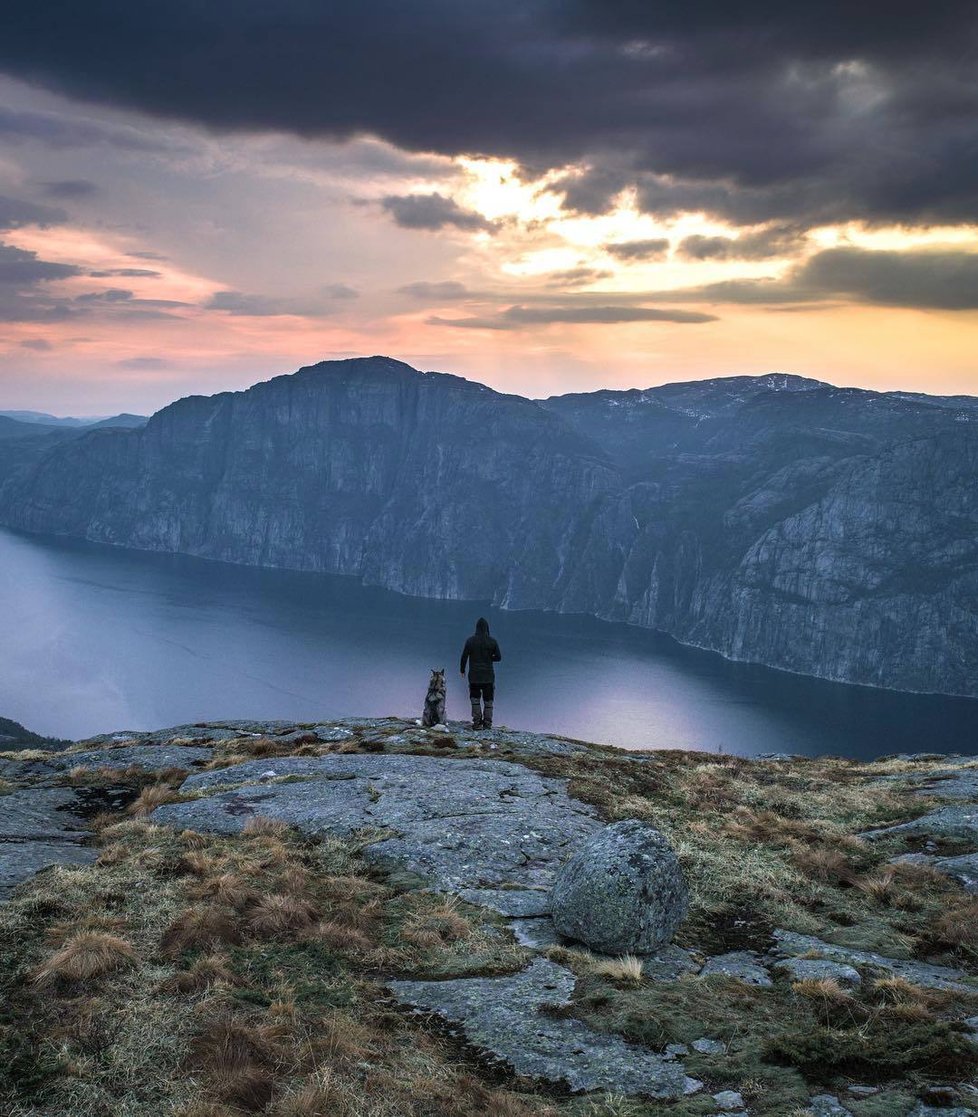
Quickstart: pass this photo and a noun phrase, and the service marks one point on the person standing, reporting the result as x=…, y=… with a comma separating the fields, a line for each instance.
x=480, y=652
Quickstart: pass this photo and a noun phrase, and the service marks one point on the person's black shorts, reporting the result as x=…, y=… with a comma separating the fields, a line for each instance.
x=484, y=691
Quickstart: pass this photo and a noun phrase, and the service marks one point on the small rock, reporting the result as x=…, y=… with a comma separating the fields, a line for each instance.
x=744, y=965
x=623, y=891
x=669, y=964
x=728, y=1100
x=709, y=1046
x=826, y=1105
x=863, y=1091
x=537, y=933
x=675, y=1050
x=333, y=732
x=818, y=969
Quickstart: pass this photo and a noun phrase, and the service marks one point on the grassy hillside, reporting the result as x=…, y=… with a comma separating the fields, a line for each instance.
x=203, y=975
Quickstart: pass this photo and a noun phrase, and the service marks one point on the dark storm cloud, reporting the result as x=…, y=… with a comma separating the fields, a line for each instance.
x=340, y=291
x=113, y=295
x=23, y=269
x=142, y=363
x=70, y=188
x=516, y=317
x=754, y=111
x=125, y=273
x=242, y=304
x=22, y=294
x=15, y=214
x=432, y=211
x=447, y=289
x=928, y=279
x=58, y=131
x=576, y=277
x=940, y=280
x=38, y=344
x=778, y=241
x=653, y=249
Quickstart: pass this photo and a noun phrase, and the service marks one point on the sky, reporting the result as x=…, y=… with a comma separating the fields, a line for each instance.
x=544, y=196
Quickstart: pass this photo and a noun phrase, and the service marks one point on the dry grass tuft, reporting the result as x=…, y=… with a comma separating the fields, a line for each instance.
x=342, y=938
x=238, y=1061
x=281, y=915
x=207, y=1109
x=260, y=826
x=206, y=973
x=956, y=926
x=323, y=1099
x=881, y=887
x=433, y=927
x=201, y=863
x=84, y=956
x=907, y=1001
x=825, y=864
x=152, y=797
x=227, y=888
x=201, y=928
x=822, y=989
x=627, y=968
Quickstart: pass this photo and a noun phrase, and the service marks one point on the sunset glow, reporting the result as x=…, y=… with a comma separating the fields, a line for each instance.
x=146, y=259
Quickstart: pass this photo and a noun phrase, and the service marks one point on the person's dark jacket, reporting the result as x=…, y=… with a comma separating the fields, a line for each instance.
x=480, y=652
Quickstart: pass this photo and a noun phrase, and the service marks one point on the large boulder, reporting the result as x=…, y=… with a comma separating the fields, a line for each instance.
x=623, y=891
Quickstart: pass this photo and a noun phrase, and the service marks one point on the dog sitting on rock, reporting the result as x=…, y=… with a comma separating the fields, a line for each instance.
x=434, y=701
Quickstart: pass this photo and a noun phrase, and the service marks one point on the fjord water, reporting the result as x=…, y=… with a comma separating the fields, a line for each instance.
x=97, y=638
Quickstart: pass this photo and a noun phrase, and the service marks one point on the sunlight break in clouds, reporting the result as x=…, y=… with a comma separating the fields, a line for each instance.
x=168, y=258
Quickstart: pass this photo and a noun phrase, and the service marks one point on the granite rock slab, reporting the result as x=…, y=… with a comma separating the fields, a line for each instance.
x=818, y=969
x=19, y=861
x=40, y=814
x=792, y=944
x=456, y=823
x=958, y=820
x=744, y=965
x=506, y=1020
x=962, y=868
x=147, y=758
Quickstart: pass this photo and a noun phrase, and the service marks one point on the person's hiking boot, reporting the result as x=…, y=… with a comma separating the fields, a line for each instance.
x=487, y=716
x=476, y=714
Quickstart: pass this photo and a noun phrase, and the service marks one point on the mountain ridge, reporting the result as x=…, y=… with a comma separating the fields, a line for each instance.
x=776, y=519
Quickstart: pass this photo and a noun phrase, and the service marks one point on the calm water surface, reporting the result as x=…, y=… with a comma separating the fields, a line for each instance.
x=95, y=638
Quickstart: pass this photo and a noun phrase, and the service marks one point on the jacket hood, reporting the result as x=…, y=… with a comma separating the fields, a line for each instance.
x=482, y=627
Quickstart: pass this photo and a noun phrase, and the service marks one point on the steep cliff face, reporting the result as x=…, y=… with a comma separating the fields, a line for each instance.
x=774, y=519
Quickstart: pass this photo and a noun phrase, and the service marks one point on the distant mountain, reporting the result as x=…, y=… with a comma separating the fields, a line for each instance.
x=14, y=736
x=43, y=418
x=123, y=420
x=16, y=428
x=825, y=530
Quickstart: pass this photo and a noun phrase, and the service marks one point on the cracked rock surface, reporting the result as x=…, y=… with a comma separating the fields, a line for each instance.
x=791, y=944
x=507, y=1019
x=38, y=829
x=457, y=823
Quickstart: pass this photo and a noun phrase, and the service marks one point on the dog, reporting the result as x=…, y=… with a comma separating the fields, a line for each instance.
x=434, y=701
